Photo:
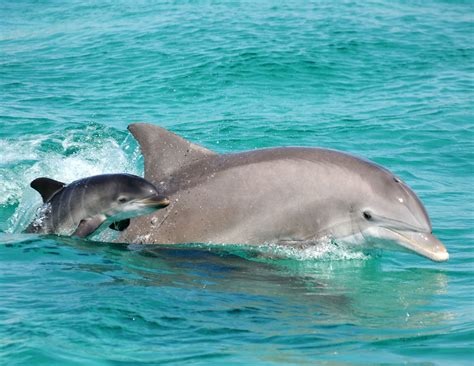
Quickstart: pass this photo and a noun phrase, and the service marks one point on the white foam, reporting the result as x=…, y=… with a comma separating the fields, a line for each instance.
x=323, y=249
x=40, y=215
x=13, y=150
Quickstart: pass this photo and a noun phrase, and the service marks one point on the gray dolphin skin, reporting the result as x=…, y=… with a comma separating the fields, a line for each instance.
x=278, y=195
x=90, y=204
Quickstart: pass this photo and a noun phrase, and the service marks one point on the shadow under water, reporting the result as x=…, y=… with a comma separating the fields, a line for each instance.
x=217, y=297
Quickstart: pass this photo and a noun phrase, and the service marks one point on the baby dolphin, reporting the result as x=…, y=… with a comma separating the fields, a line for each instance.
x=85, y=205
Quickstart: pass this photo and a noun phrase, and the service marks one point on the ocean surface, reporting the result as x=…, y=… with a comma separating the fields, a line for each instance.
x=391, y=81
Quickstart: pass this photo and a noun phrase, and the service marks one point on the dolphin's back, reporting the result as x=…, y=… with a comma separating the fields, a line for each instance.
x=70, y=208
x=320, y=159
x=61, y=213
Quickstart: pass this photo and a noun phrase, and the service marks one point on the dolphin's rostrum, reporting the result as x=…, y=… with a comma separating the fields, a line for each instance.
x=277, y=195
x=83, y=206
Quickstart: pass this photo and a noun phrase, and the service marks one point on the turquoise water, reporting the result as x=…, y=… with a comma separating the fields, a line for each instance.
x=388, y=80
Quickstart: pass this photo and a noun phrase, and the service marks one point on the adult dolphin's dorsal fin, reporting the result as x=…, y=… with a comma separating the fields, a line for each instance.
x=164, y=152
x=47, y=187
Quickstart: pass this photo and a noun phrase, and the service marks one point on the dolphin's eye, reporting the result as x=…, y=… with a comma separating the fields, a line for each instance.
x=367, y=215
x=122, y=200
x=396, y=180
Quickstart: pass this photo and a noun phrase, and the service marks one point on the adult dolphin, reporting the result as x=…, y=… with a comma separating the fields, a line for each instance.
x=276, y=195
x=90, y=204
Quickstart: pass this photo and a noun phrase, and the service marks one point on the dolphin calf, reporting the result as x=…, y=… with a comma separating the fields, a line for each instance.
x=85, y=205
x=276, y=195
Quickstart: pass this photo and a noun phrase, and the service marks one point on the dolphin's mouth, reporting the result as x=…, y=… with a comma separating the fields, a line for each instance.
x=156, y=201
x=424, y=244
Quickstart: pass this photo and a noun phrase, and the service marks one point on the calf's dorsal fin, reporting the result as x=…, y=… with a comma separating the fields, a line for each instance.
x=47, y=187
x=165, y=152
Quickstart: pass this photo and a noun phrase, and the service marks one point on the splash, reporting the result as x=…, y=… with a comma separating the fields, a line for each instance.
x=41, y=213
x=65, y=156
x=324, y=249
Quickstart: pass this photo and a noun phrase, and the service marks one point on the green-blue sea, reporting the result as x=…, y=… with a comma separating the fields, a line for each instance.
x=391, y=81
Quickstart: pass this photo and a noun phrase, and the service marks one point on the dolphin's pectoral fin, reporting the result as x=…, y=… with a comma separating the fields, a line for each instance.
x=120, y=225
x=47, y=187
x=163, y=151
x=89, y=225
